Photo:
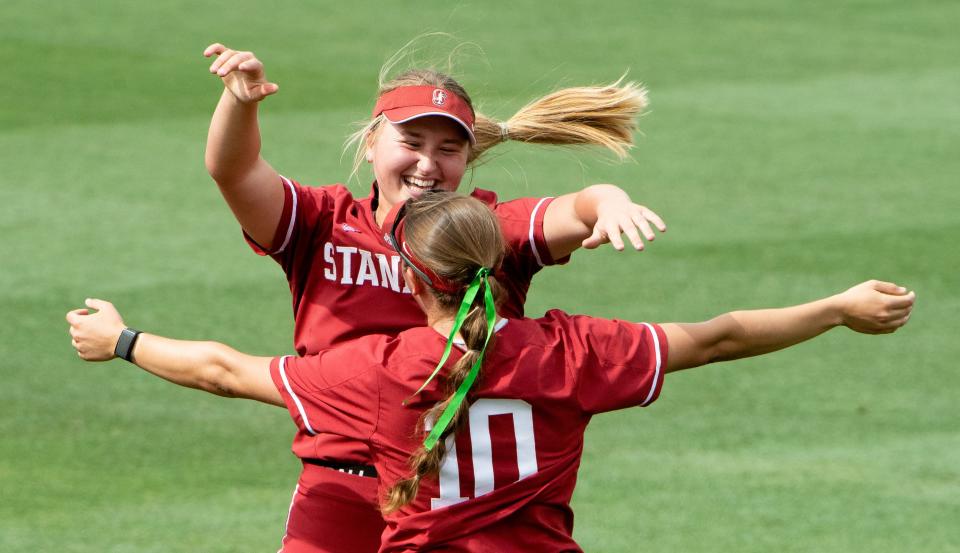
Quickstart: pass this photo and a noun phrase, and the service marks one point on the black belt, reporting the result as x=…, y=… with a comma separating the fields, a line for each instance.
x=358, y=470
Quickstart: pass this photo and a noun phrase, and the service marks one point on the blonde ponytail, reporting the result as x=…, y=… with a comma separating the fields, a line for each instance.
x=590, y=115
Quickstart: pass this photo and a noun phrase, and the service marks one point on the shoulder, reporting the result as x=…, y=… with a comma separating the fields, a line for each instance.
x=344, y=360
x=419, y=340
x=516, y=207
x=556, y=320
x=579, y=331
x=337, y=192
x=488, y=197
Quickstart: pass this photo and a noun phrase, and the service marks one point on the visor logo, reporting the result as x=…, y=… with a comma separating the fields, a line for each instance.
x=439, y=97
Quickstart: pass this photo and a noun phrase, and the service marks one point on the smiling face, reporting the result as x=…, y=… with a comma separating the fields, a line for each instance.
x=428, y=153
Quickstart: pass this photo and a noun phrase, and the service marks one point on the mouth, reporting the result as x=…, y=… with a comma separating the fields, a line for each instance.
x=419, y=184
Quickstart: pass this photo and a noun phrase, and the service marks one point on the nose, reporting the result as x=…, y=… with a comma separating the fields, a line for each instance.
x=426, y=164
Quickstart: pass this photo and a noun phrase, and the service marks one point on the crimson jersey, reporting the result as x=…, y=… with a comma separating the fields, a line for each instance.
x=346, y=279
x=507, y=479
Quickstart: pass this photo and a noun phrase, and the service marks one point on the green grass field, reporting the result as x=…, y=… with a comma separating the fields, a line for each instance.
x=794, y=148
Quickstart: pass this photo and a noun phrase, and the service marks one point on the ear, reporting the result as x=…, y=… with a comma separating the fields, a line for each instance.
x=417, y=287
x=368, y=141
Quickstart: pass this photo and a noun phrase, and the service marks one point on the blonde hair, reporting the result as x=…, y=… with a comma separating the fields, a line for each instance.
x=454, y=236
x=588, y=115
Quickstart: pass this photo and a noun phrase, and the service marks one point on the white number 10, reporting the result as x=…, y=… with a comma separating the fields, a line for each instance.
x=481, y=442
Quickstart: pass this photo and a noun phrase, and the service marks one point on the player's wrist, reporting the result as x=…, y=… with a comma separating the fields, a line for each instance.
x=837, y=308
x=126, y=341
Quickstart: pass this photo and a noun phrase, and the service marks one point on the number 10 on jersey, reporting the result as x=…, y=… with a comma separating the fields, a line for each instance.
x=481, y=442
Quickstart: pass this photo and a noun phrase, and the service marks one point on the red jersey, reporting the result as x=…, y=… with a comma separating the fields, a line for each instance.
x=507, y=479
x=347, y=281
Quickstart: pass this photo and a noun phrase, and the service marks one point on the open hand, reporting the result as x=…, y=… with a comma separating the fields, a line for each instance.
x=242, y=73
x=616, y=218
x=876, y=307
x=95, y=335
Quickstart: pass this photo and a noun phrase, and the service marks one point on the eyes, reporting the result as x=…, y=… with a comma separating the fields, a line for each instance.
x=446, y=148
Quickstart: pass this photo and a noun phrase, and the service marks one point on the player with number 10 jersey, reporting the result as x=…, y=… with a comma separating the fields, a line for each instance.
x=517, y=458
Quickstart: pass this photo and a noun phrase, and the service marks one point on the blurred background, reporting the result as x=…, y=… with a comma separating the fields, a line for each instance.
x=794, y=149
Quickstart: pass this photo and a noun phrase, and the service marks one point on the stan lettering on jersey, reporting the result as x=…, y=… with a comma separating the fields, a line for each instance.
x=358, y=267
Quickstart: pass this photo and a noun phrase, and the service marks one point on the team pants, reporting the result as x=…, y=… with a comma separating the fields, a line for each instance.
x=333, y=512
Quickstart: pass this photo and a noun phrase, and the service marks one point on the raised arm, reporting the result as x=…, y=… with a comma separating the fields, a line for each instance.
x=596, y=215
x=251, y=187
x=209, y=366
x=872, y=307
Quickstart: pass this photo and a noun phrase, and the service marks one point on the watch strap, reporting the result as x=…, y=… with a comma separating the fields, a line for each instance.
x=124, y=347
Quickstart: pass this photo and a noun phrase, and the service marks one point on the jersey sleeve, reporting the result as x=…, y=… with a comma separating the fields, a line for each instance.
x=325, y=393
x=303, y=209
x=616, y=364
x=521, y=222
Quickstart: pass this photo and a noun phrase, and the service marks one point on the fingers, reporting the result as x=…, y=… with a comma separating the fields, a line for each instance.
x=98, y=304
x=902, y=302
x=214, y=49
x=649, y=215
x=227, y=63
x=595, y=239
x=73, y=317
x=634, y=221
x=223, y=58
x=223, y=55
x=643, y=224
x=267, y=89
x=231, y=60
x=900, y=322
x=630, y=227
x=612, y=234
x=245, y=61
x=887, y=287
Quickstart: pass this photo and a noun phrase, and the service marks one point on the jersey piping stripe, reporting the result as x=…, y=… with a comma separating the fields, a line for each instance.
x=533, y=224
x=296, y=400
x=293, y=214
x=656, y=373
x=286, y=525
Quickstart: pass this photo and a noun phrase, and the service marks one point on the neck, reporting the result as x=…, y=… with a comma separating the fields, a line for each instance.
x=380, y=215
x=383, y=208
x=443, y=322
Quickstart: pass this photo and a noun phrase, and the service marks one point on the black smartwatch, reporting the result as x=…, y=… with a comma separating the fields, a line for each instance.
x=124, y=348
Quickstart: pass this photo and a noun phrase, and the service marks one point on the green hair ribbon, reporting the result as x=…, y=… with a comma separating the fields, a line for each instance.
x=491, y=313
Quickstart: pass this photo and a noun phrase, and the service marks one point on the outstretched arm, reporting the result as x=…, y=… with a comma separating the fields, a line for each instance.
x=248, y=183
x=208, y=366
x=596, y=215
x=872, y=307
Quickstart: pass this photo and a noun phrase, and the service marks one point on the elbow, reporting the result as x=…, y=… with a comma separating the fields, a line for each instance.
x=719, y=343
x=219, y=171
x=210, y=162
x=718, y=352
x=222, y=168
x=725, y=342
x=215, y=376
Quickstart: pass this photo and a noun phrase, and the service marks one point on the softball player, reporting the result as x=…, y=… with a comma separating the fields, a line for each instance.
x=345, y=278
x=493, y=462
